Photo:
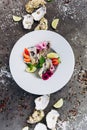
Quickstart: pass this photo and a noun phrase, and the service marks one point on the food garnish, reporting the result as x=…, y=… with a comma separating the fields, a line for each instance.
x=17, y=18
x=55, y=23
x=59, y=103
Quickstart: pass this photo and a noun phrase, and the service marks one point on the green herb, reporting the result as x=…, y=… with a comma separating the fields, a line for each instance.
x=40, y=62
x=30, y=66
x=59, y=59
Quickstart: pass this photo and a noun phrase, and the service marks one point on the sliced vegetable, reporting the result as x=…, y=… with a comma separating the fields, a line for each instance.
x=26, y=51
x=17, y=18
x=55, y=23
x=55, y=61
x=27, y=60
x=31, y=70
x=26, y=56
x=58, y=104
x=52, y=55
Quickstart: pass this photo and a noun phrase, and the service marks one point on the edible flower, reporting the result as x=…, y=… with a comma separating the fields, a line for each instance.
x=45, y=76
x=41, y=46
x=49, y=73
x=52, y=68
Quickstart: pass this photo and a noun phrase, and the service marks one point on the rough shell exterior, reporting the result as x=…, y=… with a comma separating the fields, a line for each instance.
x=28, y=21
x=39, y=13
x=42, y=102
x=32, y=4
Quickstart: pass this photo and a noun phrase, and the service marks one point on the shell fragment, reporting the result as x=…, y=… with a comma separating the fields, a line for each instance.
x=28, y=21
x=43, y=25
x=36, y=117
x=52, y=118
x=33, y=4
x=40, y=126
x=42, y=102
x=39, y=13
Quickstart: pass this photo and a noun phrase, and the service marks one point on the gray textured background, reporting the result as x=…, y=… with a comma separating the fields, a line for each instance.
x=15, y=104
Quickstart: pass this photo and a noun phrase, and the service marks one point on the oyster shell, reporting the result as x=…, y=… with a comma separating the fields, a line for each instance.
x=52, y=118
x=32, y=4
x=28, y=21
x=36, y=117
x=26, y=128
x=43, y=25
x=39, y=13
x=40, y=126
x=46, y=66
x=42, y=102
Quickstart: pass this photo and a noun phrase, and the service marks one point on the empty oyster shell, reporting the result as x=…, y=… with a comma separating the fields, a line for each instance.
x=43, y=25
x=26, y=128
x=40, y=126
x=52, y=118
x=28, y=21
x=39, y=13
x=42, y=102
x=32, y=4
x=36, y=117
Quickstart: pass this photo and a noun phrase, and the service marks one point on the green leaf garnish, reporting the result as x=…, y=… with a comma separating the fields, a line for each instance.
x=40, y=62
x=30, y=65
x=59, y=59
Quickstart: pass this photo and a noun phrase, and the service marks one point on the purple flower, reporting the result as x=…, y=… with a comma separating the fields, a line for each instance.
x=38, y=47
x=43, y=45
x=45, y=76
x=49, y=73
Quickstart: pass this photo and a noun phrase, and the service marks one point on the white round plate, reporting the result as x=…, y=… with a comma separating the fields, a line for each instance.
x=30, y=82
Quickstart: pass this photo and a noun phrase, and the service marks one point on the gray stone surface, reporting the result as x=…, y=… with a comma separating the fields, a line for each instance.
x=16, y=104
